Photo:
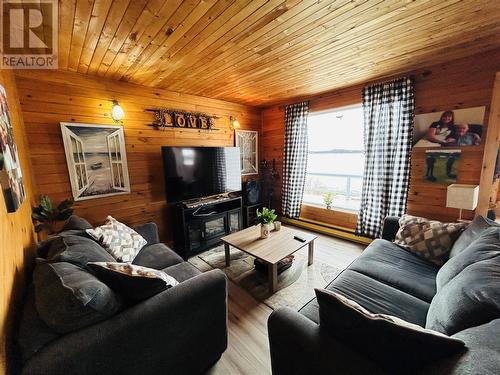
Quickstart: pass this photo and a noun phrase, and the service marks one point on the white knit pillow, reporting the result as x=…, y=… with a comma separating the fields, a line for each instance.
x=122, y=242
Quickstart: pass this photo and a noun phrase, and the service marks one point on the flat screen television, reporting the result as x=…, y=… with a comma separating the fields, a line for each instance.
x=198, y=172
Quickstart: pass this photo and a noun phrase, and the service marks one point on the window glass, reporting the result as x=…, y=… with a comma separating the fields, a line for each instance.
x=336, y=158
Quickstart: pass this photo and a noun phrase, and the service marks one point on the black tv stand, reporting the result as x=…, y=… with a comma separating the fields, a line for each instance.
x=201, y=226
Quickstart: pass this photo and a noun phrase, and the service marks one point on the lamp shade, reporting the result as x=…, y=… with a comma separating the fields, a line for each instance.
x=117, y=112
x=462, y=196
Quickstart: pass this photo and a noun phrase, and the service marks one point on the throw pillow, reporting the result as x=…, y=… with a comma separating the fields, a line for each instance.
x=77, y=250
x=485, y=246
x=68, y=298
x=134, y=283
x=475, y=228
x=395, y=344
x=429, y=239
x=122, y=242
x=470, y=299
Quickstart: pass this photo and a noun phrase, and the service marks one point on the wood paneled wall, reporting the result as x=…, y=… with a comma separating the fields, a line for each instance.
x=467, y=82
x=47, y=98
x=16, y=231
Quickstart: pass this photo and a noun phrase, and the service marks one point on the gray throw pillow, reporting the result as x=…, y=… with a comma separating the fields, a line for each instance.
x=396, y=345
x=68, y=298
x=77, y=250
x=485, y=246
x=135, y=283
x=469, y=299
x=475, y=228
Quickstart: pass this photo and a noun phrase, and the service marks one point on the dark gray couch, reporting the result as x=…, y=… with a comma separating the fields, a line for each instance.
x=384, y=279
x=182, y=330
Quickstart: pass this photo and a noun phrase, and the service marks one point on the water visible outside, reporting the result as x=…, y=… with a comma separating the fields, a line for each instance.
x=336, y=159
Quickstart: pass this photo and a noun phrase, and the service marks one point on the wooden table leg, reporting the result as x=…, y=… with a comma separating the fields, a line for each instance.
x=228, y=254
x=311, y=253
x=273, y=277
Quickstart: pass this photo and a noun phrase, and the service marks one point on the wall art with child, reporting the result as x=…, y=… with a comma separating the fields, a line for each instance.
x=451, y=128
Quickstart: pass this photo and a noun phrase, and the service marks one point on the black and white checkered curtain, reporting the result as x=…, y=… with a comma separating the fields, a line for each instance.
x=295, y=158
x=388, y=130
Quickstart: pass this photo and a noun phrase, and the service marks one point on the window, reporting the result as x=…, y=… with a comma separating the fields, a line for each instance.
x=336, y=158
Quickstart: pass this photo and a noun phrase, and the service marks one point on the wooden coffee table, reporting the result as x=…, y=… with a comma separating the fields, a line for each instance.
x=270, y=250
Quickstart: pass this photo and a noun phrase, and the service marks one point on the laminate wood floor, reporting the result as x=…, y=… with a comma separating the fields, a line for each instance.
x=248, y=348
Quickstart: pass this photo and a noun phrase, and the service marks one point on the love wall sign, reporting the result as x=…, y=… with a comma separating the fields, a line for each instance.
x=171, y=118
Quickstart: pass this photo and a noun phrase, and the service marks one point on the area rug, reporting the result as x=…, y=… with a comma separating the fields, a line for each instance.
x=295, y=285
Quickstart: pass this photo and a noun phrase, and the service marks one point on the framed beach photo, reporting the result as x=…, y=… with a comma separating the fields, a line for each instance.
x=247, y=141
x=97, y=160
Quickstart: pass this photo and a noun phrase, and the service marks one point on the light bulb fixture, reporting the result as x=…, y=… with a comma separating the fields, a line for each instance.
x=234, y=123
x=117, y=112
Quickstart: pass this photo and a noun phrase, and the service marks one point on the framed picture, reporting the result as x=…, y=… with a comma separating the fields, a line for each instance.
x=441, y=166
x=452, y=128
x=247, y=141
x=97, y=160
x=11, y=177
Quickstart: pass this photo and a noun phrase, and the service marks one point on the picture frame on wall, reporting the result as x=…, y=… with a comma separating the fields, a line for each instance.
x=11, y=177
x=96, y=159
x=442, y=166
x=450, y=128
x=248, y=142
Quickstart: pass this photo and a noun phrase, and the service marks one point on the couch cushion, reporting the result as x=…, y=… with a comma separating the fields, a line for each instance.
x=485, y=246
x=429, y=239
x=157, y=256
x=149, y=232
x=33, y=334
x=394, y=343
x=469, y=299
x=397, y=267
x=478, y=225
x=75, y=222
x=77, y=250
x=482, y=355
x=374, y=296
x=182, y=271
x=68, y=298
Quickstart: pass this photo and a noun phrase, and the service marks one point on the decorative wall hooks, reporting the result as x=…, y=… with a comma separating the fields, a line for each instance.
x=173, y=118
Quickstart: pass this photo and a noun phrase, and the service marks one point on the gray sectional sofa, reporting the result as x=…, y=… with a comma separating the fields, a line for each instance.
x=182, y=330
x=460, y=299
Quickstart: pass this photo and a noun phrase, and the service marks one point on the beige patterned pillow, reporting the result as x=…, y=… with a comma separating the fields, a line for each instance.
x=122, y=242
x=429, y=239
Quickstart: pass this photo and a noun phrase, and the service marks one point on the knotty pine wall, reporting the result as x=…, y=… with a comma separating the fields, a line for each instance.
x=50, y=97
x=463, y=83
x=17, y=237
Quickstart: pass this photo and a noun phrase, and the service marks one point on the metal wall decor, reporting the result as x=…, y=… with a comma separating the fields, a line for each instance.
x=173, y=118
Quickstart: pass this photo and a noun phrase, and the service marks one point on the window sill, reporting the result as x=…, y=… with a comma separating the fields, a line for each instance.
x=334, y=209
x=339, y=219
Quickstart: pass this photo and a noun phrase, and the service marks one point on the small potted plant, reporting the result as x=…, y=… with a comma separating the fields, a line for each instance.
x=328, y=199
x=266, y=219
x=46, y=215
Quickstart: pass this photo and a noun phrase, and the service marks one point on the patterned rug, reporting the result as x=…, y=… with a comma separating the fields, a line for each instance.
x=295, y=285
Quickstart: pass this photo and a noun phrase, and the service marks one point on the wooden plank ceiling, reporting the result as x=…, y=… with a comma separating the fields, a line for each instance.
x=261, y=52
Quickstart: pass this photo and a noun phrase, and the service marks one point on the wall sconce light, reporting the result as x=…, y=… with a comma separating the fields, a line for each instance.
x=117, y=112
x=234, y=123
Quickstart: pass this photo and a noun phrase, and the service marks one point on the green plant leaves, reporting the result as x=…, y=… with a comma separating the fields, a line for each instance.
x=266, y=216
x=46, y=214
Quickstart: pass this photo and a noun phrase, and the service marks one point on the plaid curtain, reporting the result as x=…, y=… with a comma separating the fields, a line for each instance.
x=388, y=130
x=295, y=158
